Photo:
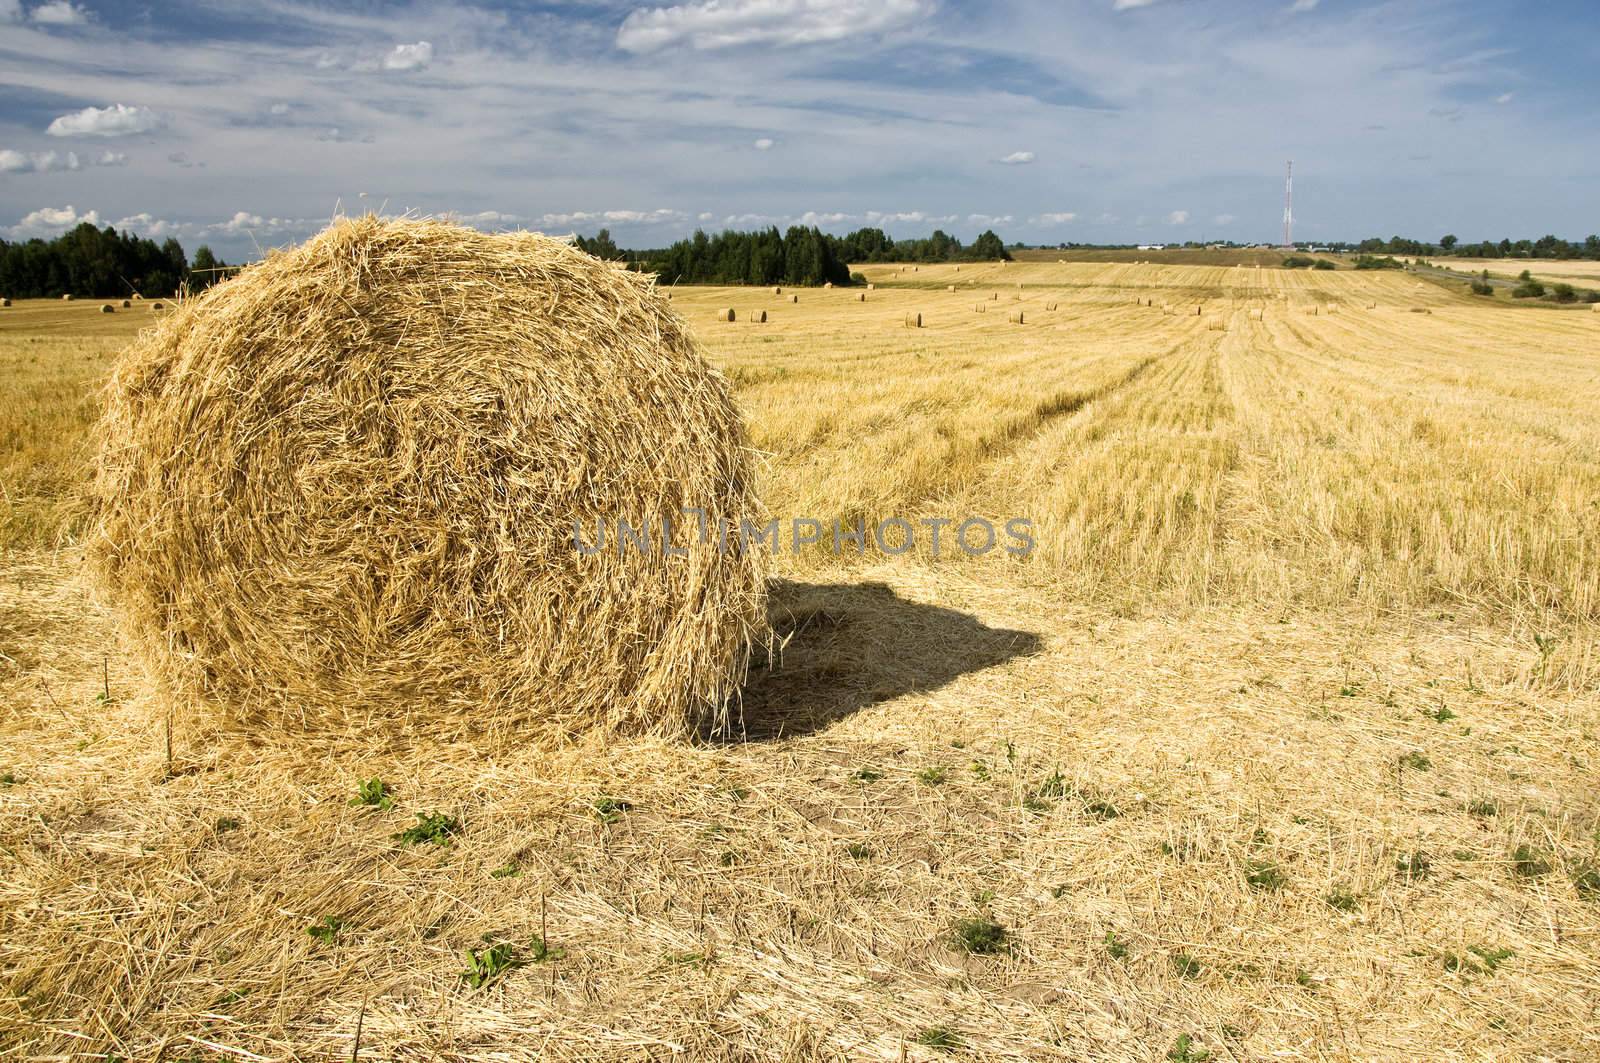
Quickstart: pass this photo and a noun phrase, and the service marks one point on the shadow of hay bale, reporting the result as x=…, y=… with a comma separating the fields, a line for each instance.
x=844, y=647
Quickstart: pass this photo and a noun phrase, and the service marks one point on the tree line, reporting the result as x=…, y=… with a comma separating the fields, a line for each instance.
x=103, y=263
x=802, y=255
x=1449, y=245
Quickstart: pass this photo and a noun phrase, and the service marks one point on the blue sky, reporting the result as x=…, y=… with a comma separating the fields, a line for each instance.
x=249, y=124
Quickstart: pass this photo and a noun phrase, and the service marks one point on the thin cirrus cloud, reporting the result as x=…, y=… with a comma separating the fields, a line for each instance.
x=118, y=120
x=711, y=24
x=1178, y=217
x=764, y=144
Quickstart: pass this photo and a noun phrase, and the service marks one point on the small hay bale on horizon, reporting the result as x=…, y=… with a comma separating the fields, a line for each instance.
x=1015, y=317
x=777, y=290
x=391, y=445
x=827, y=284
x=127, y=303
x=861, y=297
x=794, y=298
x=760, y=317
x=727, y=313
x=66, y=297
x=949, y=287
x=107, y=308
x=5, y=302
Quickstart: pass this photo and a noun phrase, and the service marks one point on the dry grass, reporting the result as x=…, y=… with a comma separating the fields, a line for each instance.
x=1283, y=743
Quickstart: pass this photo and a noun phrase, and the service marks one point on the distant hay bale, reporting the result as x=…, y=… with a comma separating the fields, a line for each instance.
x=1255, y=315
x=794, y=298
x=343, y=493
x=1372, y=306
x=136, y=295
x=1015, y=317
x=5, y=302
x=777, y=290
x=107, y=308
x=1199, y=310
x=1311, y=310
x=1333, y=308
x=155, y=306
x=127, y=303
x=981, y=308
x=1216, y=324
x=66, y=297
x=1019, y=286
x=861, y=297
x=913, y=321
x=872, y=287
x=760, y=317
x=1049, y=306
x=727, y=313
x=994, y=296
x=1420, y=310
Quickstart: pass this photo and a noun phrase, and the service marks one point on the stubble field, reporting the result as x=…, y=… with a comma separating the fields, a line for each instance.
x=1283, y=741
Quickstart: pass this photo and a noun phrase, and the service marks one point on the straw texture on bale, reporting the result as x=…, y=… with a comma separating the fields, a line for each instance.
x=981, y=308
x=950, y=287
x=861, y=297
x=727, y=313
x=777, y=290
x=913, y=321
x=107, y=308
x=1049, y=306
x=338, y=493
x=761, y=317
x=1016, y=317
x=794, y=298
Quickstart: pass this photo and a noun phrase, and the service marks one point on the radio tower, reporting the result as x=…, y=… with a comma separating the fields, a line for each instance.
x=1288, y=208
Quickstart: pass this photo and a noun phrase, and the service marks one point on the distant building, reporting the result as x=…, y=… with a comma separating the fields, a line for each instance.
x=1152, y=247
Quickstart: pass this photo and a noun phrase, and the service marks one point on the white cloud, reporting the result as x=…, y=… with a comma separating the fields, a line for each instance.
x=987, y=220
x=1017, y=158
x=1128, y=5
x=765, y=144
x=1178, y=217
x=49, y=161
x=705, y=215
x=278, y=110
x=10, y=10
x=726, y=23
x=615, y=217
x=1224, y=219
x=59, y=13
x=1505, y=97
x=813, y=218
x=1059, y=218
x=37, y=161
x=115, y=121
x=482, y=218
x=1300, y=7
x=49, y=221
x=409, y=56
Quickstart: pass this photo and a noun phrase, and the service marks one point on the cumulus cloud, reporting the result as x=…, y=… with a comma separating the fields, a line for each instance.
x=1128, y=5
x=765, y=144
x=708, y=24
x=705, y=215
x=482, y=218
x=1057, y=218
x=118, y=120
x=1178, y=217
x=409, y=56
x=49, y=221
x=989, y=219
x=1300, y=7
x=614, y=217
x=49, y=161
x=59, y=13
x=1016, y=158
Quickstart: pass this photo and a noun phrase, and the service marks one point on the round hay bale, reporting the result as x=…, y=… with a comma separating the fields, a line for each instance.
x=727, y=313
x=136, y=295
x=872, y=287
x=67, y=297
x=127, y=303
x=5, y=302
x=1216, y=324
x=1049, y=306
x=861, y=297
x=1255, y=315
x=827, y=284
x=107, y=308
x=1016, y=317
x=913, y=321
x=981, y=308
x=994, y=296
x=794, y=298
x=777, y=290
x=1372, y=306
x=344, y=492
x=949, y=287
x=761, y=317
x=155, y=306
